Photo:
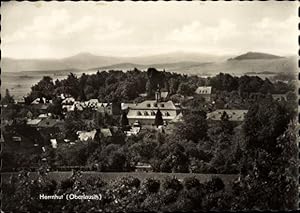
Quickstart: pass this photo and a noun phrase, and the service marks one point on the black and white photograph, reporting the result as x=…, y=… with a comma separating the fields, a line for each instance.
x=149, y=106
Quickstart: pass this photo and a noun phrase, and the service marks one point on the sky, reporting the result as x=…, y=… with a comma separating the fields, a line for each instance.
x=62, y=29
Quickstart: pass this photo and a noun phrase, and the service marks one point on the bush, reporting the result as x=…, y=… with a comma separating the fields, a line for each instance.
x=68, y=183
x=131, y=181
x=215, y=184
x=96, y=182
x=169, y=196
x=191, y=182
x=152, y=185
x=172, y=183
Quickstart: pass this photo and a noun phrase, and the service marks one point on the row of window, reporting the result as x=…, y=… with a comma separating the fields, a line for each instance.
x=156, y=105
x=203, y=92
x=139, y=113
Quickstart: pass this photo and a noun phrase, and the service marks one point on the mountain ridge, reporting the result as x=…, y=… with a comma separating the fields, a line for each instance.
x=181, y=62
x=255, y=56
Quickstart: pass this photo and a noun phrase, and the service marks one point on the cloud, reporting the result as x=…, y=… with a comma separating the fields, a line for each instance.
x=265, y=34
x=281, y=34
x=60, y=25
x=125, y=29
x=197, y=32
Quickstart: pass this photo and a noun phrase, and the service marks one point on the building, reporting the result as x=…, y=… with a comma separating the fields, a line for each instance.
x=143, y=167
x=42, y=100
x=236, y=115
x=205, y=92
x=33, y=122
x=145, y=112
x=41, y=108
x=48, y=123
x=68, y=101
x=85, y=135
x=69, y=104
x=105, y=132
x=126, y=106
x=279, y=97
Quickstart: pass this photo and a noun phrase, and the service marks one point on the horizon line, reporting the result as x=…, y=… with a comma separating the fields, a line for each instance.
x=150, y=55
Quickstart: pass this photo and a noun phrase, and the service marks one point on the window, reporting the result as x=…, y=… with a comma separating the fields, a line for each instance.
x=148, y=105
x=155, y=105
x=162, y=105
x=167, y=114
x=139, y=113
x=146, y=113
x=153, y=113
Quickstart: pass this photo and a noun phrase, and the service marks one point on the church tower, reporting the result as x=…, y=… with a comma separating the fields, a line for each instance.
x=158, y=94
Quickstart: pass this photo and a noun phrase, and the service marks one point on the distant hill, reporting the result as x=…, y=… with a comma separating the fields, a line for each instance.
x=236, y=67
x=255, y=56
x=180, y=62
x=178, y=66
x=83, y=61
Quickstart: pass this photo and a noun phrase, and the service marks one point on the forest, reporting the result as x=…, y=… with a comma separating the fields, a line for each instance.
x=119, y=86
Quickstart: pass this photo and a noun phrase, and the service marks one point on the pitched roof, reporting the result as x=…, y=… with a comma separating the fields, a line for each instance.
x=127, y=105
x=44, y=115
x=234, y=114
x=33, y=121
x=106, y=132
x=48, y=123
x=53, y=143
x=178, y=118
x=152, y=104
x=203, y=90
x=164, y=94
x=143, y=94
x=38, y=100
x=104, y=104
x=85, y=136
x=279, y=96
x=70, y=100
x=41, y=106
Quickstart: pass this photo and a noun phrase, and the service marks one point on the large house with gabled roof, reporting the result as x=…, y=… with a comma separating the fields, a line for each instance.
x=205, y=92
x=145, y=112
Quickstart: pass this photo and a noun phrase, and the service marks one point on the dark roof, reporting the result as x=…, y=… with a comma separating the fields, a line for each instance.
x=48, y=123
x=234, y=114
x=41, y=106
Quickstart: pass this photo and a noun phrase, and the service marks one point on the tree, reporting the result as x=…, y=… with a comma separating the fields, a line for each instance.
x=152, y=185
x=264, y=122
x=7, y=99
x=185, y=89
x=124, y=120
x=44, y=88
x=226, y=125
x=71, y=84
x=56, y=107
x=269, y=177
x=194, y=126
x=158, y=119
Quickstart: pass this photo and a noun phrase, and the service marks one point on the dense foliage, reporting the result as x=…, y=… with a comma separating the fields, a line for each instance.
x=126, y=86
x=262, y=149
x=127, y=194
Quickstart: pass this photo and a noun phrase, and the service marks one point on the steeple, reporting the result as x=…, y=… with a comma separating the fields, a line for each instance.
x=158, y=94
